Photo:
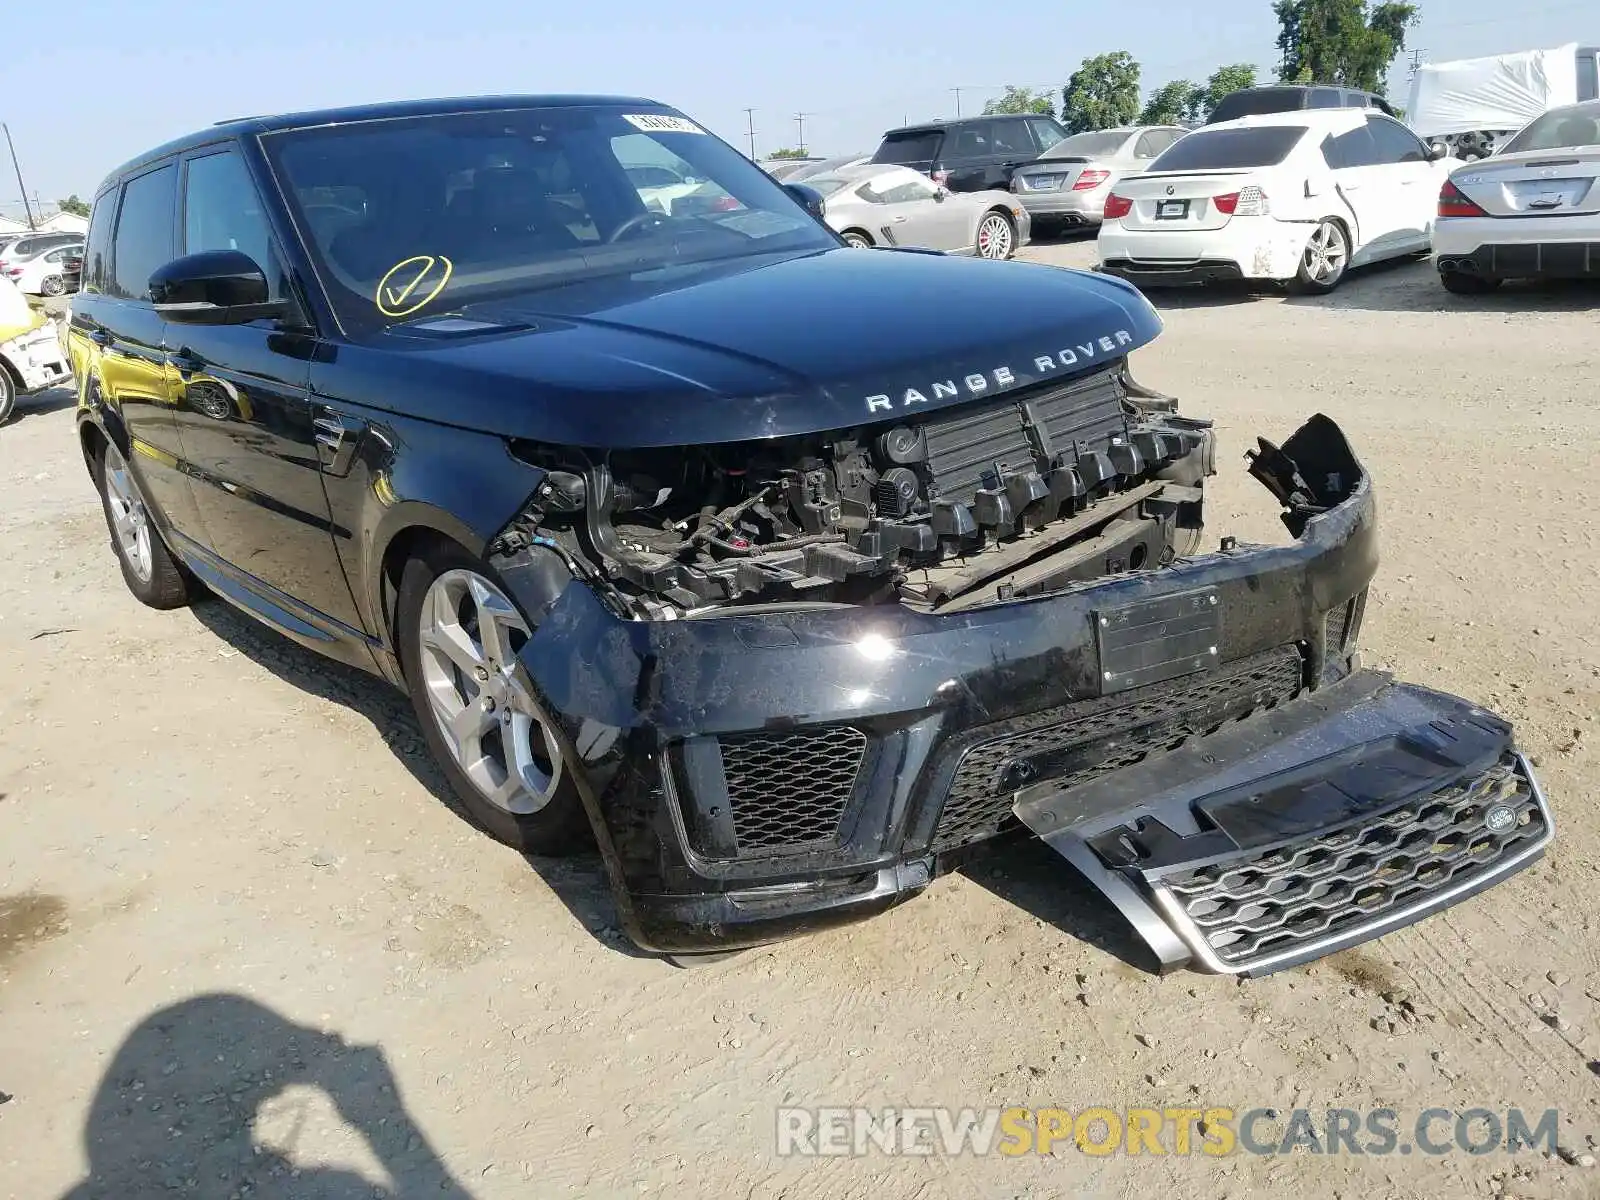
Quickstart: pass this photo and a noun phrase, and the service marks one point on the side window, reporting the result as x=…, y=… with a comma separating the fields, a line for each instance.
x=897, y=191
x=1588, y=75
x=1326, y=98
x=1394, y=143
x=1151, y=143
x=970, y=141
x=97, y=256
x=144, y=232
x=1351, y=149
x=1046, y=133
x=221, y=211
x=1011, y=137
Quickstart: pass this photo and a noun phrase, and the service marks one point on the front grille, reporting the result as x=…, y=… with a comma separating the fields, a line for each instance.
x=1076, y=743
x=1317, y=891
x=790, y=789
x=1337, y=625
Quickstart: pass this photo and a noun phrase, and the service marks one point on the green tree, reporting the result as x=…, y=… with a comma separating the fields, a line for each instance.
x=1021, y=100
x=787, y=153
x=1223, y=81
x=73, y=205
x=1345, y=42
x=1170, y=104
x=1102, y=93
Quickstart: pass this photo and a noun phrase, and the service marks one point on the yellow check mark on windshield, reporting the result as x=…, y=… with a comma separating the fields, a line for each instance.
x=412, y=284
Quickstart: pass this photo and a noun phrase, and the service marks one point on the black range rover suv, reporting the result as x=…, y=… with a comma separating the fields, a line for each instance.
x=698, y=536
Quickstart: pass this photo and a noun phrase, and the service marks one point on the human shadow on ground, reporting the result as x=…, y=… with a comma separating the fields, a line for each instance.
x=579, y=882
x=176, y=1111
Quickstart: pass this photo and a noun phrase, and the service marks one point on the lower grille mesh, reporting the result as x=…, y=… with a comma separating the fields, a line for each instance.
x=1276, y=902
x=1075, y=743
x=790, y=789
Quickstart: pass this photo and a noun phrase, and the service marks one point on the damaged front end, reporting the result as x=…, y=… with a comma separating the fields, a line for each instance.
x=803, y=676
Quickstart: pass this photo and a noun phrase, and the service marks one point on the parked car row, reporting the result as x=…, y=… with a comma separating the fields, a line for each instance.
x=42, y=264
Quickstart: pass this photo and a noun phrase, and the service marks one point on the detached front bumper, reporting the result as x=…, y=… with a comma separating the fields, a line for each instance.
x=1353, y=812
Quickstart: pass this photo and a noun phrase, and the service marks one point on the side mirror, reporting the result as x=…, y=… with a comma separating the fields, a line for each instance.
x=214, y=287
x=809, y=198
x=1437, y=150
x=940, y=193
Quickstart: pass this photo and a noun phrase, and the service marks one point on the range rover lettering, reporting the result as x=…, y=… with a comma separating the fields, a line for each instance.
x=784, y=574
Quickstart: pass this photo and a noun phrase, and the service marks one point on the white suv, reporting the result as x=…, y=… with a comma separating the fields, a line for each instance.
x=1295, y=197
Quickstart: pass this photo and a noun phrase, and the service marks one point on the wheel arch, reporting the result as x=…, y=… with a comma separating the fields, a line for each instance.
x=860, y=232
x=400, y=536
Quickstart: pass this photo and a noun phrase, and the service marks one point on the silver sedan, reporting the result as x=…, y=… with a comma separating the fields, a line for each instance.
x=878, y=205
x=1531, y=210
x=1068, y=183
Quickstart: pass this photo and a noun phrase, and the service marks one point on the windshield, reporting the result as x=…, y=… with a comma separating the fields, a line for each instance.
x=1086, y=145
x=420, y=215
x=1575, y=125
x=1229, y=149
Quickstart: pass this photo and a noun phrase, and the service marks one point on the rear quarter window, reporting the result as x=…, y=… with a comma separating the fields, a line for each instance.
x=1230, y=149
x=904, y=148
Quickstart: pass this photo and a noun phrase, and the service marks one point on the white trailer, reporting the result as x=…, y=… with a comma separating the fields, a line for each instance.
x=1472, y=104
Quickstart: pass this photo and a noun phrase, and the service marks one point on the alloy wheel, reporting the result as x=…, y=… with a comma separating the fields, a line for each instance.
x=130, y=520
x=994, y=237
x=53, y=285
x=491, y=723
x=1326, y=254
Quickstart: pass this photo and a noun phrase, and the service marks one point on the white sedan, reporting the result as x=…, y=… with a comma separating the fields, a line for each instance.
x=883, y=205
x=46, y=273
x=1298, y=197
x=1531, y=210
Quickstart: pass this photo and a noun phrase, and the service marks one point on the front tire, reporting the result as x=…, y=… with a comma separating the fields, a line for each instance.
x=856, y=240
x=459, y=634
x=148, y=568
x=1324, y=260
x=8, y=394
x=997, y=236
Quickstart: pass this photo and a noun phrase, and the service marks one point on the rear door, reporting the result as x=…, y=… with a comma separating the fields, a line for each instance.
x=125, y=361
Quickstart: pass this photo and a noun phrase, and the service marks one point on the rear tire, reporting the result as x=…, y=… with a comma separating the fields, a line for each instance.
x=1462, y=284
x=997, y=236
x=148, y=568
x=53, y=285
x=458, y=635
x=8, y=394
x=1324, y=260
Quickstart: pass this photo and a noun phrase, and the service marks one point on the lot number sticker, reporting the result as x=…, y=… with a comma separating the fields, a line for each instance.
x=658, y=123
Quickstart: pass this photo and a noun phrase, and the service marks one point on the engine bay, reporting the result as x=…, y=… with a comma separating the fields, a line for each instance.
x=996, y=499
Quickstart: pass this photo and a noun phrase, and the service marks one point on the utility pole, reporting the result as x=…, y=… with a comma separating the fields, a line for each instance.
x=750, y=128
x=957, y=91
x=21, y=187
x=800, y=119
x=1416, y=61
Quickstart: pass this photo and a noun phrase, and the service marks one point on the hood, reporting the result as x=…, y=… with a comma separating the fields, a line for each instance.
x=824, y=341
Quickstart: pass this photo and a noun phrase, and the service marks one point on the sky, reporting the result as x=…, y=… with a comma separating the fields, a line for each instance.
x=134, y=73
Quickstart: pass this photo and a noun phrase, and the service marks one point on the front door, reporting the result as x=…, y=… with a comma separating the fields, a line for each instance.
x=910, y=213
x=246, y=424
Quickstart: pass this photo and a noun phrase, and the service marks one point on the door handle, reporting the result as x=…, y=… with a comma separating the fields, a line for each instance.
x=186, y=362
x=900, y=218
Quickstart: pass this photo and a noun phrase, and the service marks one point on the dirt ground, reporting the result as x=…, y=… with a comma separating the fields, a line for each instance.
x=246, y=950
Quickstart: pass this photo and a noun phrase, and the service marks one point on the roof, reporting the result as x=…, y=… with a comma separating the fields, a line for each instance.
x=253, y=126
x=1332, y=120
x=932, y=126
